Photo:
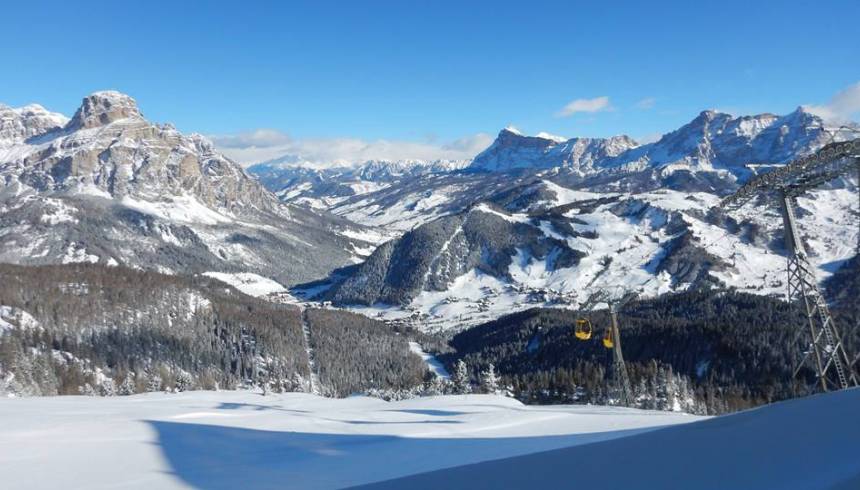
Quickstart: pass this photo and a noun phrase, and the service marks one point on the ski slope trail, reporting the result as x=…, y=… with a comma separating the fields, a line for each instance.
x=230, y=440
x=309, y=350
x=805, y=444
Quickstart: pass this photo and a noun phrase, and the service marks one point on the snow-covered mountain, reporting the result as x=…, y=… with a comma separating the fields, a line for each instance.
x=708, y=154
x=322, y=187
x=542, y=244
x=716, y=141
x=512, y=151
x=107, y=186
x=713, y=141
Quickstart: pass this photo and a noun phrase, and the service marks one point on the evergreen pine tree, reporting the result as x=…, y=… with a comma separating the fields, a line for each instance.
x=153, y=384
x=489, y=380
x=184, y=382
x=462, y=384
x=127, y=386
x=107, y=387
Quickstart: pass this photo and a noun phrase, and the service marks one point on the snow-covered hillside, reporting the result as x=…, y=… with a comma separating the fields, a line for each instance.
x=560, y=245
x=228, y=440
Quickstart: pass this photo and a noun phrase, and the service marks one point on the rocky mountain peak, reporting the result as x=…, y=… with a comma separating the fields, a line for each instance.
x=102, y=108
x=513, y=150
x=28, y=121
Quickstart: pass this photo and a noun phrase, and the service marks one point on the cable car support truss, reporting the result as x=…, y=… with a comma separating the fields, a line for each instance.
x=826, y=353
x=612, y=340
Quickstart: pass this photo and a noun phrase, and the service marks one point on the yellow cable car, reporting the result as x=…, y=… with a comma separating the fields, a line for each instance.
x=607, y=339
x=583, y=329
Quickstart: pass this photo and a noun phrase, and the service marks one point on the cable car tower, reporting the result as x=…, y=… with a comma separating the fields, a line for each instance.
x=826, y=353
x=611, y=339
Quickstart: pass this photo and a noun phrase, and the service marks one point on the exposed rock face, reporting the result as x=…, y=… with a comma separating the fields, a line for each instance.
x=109, y=186
x=26, y=122
x=108, y=146
x=102, y=108
x=719, y=141
x=512, y=150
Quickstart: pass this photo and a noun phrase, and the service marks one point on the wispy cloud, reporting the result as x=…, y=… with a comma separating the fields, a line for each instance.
x=259, y=138
x=842, y=107
x=648, y=138
x=597, y=104
x=646, y=103
x=262, y=145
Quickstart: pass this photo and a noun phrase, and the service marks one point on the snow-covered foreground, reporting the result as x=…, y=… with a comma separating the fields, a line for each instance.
x=236, y=440
x=806, y=444
x=293, y=441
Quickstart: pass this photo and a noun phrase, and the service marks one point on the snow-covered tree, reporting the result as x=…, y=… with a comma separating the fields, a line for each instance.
x=297, y=383
x=153, y=384
x=184, y=382
x=127, y=386
x=88, y=390
x=435, y=387
x=107, y=387
x=489, y=380
x=462, y=384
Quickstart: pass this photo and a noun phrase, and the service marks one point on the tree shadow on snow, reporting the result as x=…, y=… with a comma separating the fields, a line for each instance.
x=431, y=412
x=255, y=406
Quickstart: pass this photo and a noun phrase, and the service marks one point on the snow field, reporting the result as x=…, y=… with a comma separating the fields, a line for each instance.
x=246, y=440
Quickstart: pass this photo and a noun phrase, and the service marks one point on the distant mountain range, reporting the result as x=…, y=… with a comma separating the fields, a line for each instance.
x=543, y=220
x=530, y=221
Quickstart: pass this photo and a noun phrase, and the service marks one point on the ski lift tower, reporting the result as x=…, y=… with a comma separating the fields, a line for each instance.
x=612, y=340
x=826, y=353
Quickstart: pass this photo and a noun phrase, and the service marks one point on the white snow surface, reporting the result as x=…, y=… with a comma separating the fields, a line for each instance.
x=770, y=448
x=433, y=364
x=11, y=318
x=249, y=283
x=229, y=440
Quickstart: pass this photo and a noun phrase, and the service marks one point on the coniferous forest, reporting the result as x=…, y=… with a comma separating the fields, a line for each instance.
x=86, y=329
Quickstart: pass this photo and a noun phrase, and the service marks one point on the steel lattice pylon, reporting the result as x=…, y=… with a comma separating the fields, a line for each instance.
x=830, y=361
x=620, y=378
x=826, y=351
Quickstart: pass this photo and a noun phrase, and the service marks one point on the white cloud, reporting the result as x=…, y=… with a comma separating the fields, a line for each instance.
x=266, y=144
x=597, y=104
x=259, y=138
x=646, y=103
x=648, y=138
x=842, y=107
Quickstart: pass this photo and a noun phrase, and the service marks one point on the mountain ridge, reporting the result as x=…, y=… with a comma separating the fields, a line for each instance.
x=109, y=186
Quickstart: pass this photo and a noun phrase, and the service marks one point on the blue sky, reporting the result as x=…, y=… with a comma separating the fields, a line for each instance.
x=432, y=73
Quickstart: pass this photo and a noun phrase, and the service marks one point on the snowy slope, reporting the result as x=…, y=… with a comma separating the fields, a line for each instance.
x=228, y=440
x=557, y=248
x=806, y=444
x=235, y=440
